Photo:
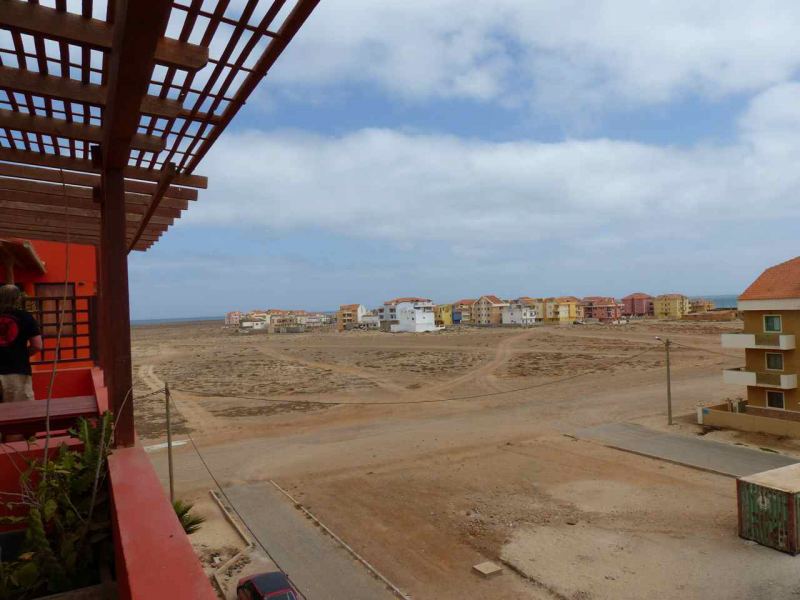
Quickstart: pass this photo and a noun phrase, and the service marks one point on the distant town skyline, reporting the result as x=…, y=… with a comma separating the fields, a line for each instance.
x=446, y=149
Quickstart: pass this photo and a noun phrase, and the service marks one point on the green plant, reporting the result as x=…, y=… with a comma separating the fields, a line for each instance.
x=68, y=529
x=189, y=522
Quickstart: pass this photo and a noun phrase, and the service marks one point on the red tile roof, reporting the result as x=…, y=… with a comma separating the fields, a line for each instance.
x=469, y=301
x=349, y=307
x=778, y=282
x=638, y=296
x=493, y=299
x=408, y=299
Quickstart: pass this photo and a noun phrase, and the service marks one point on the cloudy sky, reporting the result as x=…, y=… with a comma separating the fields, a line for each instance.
x=530, y=147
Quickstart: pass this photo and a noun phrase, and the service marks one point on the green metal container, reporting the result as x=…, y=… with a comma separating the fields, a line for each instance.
x=769, y=508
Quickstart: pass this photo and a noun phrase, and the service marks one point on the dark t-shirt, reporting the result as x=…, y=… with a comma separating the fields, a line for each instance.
x=16, y=328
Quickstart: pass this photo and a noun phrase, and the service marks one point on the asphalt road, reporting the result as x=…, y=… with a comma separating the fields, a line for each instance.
x=320, y=567
x=697, y=452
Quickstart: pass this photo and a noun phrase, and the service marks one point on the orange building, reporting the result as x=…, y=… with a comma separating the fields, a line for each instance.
x=55, y=289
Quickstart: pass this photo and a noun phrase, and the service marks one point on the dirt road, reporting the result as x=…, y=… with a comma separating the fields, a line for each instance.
x=425, y=491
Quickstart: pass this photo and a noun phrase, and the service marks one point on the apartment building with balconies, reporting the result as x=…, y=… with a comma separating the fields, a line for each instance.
x=487, y=310
x=671, y=306
x=770, y=309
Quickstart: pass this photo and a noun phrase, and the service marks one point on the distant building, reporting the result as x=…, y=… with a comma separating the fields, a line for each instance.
x=567, y=309
x=443, y=314
x=770, y=309
x=701, y=305
x=601, y=308
x=671, y=306
x=638, y=304
x=462, y=311
x=388, y=312
x=249, y=323
x=233, y=318
x=350, y=314
x=487, y=310
x=518, y=312
x=370, y=321
x=414, y=317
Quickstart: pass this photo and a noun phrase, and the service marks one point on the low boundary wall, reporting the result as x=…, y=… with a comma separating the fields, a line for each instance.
x=721, y=416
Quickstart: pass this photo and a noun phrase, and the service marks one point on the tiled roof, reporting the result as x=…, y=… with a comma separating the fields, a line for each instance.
x=349, y=307
x=408, y=299
x=778, y=282
x=638, y=296
x=492, y=299
x=567, y=299
x=469, y=301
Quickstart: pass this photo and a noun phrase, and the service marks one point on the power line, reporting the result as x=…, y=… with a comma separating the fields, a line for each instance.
x=230, y=503
x=674, y=343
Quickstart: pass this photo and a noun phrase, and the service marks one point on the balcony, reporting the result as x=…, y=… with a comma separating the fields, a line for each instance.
x=766, y=341
x=741, y=376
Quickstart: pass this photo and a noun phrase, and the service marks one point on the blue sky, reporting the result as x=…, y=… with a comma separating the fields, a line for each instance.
x=523, y=148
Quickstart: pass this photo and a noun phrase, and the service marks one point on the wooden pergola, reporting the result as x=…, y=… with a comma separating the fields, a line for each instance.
x=106, y=110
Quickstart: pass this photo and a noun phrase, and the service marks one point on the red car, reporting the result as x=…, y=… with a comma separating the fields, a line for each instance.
x=267, y=586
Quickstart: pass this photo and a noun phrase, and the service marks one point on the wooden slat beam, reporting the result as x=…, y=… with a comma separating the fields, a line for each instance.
x=83, y=215
x=40, y=233
x=76, y=131
x=58, y=202
x=82, y=165
x=152, y=210
x=90, y=180
x=56, y=189
x=64, y=88
x=63, y=26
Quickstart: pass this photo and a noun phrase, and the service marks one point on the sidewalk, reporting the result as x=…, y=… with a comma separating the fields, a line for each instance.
x=697, y=452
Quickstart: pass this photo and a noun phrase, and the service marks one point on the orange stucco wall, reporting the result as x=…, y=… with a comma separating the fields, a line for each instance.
x=82, y=267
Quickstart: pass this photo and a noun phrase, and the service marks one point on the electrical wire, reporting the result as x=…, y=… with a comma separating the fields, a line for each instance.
x=60, y=326
x=674, y=343
x=227, y=498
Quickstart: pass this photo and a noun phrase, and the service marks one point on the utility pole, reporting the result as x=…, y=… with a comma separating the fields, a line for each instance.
x=667, y=344
x=169, y=446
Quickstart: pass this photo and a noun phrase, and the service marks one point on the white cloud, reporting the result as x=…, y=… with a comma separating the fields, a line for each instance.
x=399, y=186
x=563, y=55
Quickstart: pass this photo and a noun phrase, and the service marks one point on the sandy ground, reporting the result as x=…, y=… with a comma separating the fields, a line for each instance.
x=429, y=453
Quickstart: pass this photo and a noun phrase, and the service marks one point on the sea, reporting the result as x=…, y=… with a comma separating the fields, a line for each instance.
x=721, y=301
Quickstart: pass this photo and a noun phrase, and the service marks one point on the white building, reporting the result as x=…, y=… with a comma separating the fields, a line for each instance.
x=518, y=313
x=414, y=317
x=388, y=312
x=254, y=324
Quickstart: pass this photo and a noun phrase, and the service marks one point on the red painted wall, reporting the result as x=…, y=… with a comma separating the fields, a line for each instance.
x=82, y=267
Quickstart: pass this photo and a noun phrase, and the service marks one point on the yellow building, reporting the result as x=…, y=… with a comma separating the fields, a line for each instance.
x=671, y=306
x=566, y=309
x=770, y=309
x=443, y=315
x=701, y=305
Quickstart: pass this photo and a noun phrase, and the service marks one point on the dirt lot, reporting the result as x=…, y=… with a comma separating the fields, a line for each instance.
x=429, y=453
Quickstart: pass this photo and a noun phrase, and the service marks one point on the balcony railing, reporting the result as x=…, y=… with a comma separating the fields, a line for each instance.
x=78, y=339
x=742, y=376
x=767, y=341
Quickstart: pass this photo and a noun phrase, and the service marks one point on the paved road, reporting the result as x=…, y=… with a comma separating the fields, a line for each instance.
x=320, y=568
x=725, y=459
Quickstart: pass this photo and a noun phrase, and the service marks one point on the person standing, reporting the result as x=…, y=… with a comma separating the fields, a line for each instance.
x=20, y=337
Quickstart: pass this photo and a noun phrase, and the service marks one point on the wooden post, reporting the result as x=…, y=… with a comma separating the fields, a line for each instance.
x=116, y=310
x=169, y=446
x=667, y=344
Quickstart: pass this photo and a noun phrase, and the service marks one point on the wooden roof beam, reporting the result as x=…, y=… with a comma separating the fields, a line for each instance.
x=167, y=175
x=64, y=26
x=57, y=190
x=62, y=213
x=58, y=202
x=76, y=131
x=83, y=165
x=64, y=88
x=35, y=232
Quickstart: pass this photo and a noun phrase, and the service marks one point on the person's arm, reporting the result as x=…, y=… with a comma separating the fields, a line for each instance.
x=35, y=344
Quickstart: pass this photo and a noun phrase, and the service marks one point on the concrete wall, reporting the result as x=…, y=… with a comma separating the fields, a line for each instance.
x=719, y=416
